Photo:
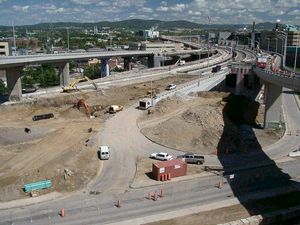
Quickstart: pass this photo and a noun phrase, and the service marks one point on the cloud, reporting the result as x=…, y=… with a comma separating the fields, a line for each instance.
x=21, y=8
x=85, y=2
x=178, y=7
x=162, y=8
x=147, y=10
x=220, y=11
x=57, y=10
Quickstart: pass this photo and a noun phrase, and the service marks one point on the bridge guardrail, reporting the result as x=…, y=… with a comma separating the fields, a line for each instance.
x=285, y=74
x=190, y=85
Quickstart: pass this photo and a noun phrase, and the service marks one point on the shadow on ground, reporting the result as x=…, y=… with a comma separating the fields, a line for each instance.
x=3, y=99
x=236, y=153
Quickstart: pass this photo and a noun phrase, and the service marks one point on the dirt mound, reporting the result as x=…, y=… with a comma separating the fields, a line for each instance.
x=204, y=124
x=197, y=129
x=168, y=105
x=206, y=116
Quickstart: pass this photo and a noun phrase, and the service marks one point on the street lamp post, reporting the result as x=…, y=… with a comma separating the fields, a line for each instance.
x=199, y=47
x=248, y=39
x=208, y=42
x=268, y=39
x=295, y=62
x=282, y=45
x=68, y=37
x=285, y=47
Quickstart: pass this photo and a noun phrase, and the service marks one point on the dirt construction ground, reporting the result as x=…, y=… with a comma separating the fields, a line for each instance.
x=206, y=122
x=61, y=145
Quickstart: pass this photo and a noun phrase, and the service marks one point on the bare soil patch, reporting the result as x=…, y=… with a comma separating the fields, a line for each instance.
x=61, y=142
x=209, y=121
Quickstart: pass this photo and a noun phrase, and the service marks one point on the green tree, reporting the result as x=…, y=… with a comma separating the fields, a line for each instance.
x=92, y=71
x=48, y=76
x=44, y=76
x=3, y=88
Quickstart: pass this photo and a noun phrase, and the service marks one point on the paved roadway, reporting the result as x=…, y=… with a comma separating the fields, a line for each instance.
x=13, y=61
x=137, y=76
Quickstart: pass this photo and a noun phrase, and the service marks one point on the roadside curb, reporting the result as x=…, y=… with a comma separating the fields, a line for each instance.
x=297, y=101
x=206, y=207
x=174, y=180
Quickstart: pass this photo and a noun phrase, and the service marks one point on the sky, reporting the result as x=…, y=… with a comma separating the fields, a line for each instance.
x=21, y=12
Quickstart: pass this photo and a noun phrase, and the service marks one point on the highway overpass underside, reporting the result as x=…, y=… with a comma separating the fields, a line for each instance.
x=14, y=85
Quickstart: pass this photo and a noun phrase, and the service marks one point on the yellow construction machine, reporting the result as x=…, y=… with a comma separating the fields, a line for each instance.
x=73, y=86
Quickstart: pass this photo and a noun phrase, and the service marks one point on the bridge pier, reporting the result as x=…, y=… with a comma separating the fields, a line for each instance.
x=64, y=73
x=14, y=86
x=154, y=61
x=104, y=68
x=127, y=63
x=273, y=102
x=239, y=82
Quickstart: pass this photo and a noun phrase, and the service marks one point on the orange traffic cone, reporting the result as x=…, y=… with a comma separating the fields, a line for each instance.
x=62, y=212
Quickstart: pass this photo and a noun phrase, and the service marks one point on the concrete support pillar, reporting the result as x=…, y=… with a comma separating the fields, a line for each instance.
x=239, y=81
x=14, y=86
x=158, y=61
x=104, y=68
x=151, y=61
x=127, y=63
x=273, y=102
x=64, y=73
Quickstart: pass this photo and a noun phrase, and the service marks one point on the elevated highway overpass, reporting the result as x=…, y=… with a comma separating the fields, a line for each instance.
x=274, y=83
x=14, y=64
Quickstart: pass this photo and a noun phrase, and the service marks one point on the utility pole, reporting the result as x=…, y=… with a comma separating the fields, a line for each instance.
x=268, y=44
x=208, y=42
x=110, y=39
x=41, y=37
x=68, y=37
x=296, y=52
x=14, y=38
x=285, y=47
x=199, y=47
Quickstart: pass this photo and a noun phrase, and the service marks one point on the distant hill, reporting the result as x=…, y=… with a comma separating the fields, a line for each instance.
x=139, y=24
x=136, y=24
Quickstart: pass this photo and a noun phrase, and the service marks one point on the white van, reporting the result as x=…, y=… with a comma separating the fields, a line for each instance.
x=103, y=152
x=145, y=103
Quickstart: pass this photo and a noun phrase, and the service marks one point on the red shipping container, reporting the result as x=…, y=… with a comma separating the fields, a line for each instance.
x=175, y=167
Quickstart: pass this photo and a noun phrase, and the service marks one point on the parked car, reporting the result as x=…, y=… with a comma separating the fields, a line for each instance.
x=295, y=153
x=171, y=87
x=193, y=158
x=115, y=108
x=216, y=69
x=161, y=156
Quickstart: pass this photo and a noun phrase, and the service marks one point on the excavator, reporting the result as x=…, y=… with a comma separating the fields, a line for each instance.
x=72, y=86
x=82, y=103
